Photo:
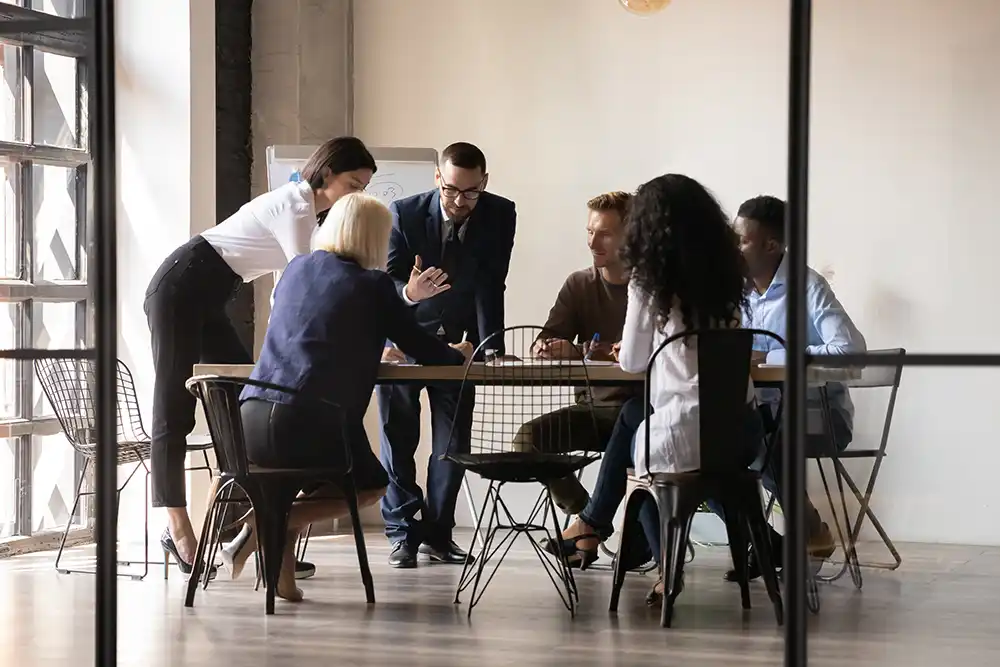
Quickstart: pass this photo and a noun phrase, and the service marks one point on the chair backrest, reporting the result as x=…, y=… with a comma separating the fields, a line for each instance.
x=724, y=357
x=518, y=403
x=220, y=398
x=70, y=387
x=886, y=376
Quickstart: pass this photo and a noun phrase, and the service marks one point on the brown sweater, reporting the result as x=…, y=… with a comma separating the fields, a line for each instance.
x=587, y=304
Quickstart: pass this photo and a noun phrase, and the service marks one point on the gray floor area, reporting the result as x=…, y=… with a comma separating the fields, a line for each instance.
x=940, y=608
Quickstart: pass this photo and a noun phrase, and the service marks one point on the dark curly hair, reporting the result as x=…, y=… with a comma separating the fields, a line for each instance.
x=682, y=250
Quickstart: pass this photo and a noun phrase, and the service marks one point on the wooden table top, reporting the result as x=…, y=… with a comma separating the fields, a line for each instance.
x=598, y=374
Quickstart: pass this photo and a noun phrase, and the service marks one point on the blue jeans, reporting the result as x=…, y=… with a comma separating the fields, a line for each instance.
x=609, y=490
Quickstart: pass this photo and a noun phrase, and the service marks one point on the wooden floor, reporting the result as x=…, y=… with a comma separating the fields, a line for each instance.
x=942, y=608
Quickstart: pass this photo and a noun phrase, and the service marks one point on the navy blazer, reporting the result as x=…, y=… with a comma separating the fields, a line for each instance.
x=475, y=303
x=327, y=328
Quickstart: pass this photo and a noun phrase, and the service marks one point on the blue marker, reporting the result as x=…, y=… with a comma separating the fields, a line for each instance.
x=593, y=342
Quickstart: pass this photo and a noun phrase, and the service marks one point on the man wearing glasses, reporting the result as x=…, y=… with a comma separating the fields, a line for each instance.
x=449, y=253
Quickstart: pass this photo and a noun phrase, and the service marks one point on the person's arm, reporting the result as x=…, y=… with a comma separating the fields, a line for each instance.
x=827, y=316
x=561, y=327
x=401, y=256
x=490, y=290
x=402, y=329
x=637, y=335
x=292, y=223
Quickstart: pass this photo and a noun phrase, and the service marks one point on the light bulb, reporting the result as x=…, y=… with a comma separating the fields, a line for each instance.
x=644, y=7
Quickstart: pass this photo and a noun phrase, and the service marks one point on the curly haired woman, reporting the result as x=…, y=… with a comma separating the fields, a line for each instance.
x=687, y=273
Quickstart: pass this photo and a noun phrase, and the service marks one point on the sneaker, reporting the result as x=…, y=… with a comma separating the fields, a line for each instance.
x=304, y=570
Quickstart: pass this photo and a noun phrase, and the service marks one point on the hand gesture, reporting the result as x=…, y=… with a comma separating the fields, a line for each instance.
x=554, y=348
x=425, y=283
x=616, y=350
x=465, y=348
x=393, y=355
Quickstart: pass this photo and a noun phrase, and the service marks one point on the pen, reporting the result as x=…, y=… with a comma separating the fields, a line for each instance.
x=465, y=336
x=593, y=342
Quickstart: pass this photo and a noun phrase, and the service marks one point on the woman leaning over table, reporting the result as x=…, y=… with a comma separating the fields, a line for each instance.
x=186, y=299
x=687, y=273
x=333, y=311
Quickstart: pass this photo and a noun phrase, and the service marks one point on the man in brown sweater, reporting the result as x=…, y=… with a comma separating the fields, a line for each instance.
x=591, y=301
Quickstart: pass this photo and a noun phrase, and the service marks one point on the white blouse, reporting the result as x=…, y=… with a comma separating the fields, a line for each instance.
x=267, y=232
x=674, y=426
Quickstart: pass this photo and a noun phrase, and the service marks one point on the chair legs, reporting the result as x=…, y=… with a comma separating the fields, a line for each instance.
x=494, y=551
x=76, y=504
x=350, y=492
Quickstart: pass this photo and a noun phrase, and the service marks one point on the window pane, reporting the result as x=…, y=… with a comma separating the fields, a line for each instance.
x=67, y=9
x=9, y=318
x=9, y=72
x=8, y=490
x=53, y=481
x=55, y=328
x=54, y=194
x=9, y=233
x=54, y=99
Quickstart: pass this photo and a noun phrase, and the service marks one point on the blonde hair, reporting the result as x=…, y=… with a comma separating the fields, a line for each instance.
x=357, y=228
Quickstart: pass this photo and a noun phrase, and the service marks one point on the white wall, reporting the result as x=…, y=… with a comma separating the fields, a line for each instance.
x=166, y=173
x=572, y=97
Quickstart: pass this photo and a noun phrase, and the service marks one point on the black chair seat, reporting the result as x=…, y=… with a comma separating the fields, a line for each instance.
x=522, y=466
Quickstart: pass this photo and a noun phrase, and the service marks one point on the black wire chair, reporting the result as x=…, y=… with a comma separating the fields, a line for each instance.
x=723, y=377
x=513, y=391
x=271, y=492
x=70, y=387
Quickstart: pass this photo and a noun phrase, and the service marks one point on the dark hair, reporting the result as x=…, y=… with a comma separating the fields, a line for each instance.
x=338, y=155
x=769, y=212
x=464, y=156
x=682, y=251
x=615, y=200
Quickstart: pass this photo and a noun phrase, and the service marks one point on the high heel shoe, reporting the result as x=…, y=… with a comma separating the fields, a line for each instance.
x=236, y=553
x=574, y=555
x=170, y=549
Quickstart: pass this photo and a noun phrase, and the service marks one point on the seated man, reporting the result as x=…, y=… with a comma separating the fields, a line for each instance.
x=591, y=303
x=760, y=223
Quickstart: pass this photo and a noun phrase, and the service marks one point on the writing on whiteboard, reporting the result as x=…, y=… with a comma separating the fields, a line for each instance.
x=386, y=189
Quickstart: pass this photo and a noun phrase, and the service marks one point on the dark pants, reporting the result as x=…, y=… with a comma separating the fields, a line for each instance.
x=573, y=428
x=399, y=410
x=185, y=308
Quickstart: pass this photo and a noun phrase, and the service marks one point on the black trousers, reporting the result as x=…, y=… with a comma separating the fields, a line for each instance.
x=399, y=409
x=185, y=309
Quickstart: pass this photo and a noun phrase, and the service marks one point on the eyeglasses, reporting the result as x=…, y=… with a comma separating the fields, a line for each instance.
x=451, y=192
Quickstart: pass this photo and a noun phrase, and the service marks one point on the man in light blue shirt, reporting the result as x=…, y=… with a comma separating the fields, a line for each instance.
x=760, y=223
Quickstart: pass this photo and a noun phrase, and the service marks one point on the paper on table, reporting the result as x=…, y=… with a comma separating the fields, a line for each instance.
x=552, y=362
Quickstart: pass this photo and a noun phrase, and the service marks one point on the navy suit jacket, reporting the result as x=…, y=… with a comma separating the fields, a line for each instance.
x=475, y=303
x=325, y=336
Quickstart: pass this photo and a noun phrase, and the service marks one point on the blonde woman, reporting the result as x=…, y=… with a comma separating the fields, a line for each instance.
x=333, y=310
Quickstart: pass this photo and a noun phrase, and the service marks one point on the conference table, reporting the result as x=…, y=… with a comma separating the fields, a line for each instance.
x=597, y=374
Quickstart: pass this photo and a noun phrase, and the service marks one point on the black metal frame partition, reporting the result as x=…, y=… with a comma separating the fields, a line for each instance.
x=96, y=30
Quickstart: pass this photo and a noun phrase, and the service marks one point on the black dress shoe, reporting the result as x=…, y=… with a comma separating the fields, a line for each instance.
x=169, y=548
x=304, y=570
x=448, y=552
x=402, y=556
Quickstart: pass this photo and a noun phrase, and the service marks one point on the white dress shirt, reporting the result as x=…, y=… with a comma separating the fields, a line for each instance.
x=674, y=426
x=267, y=232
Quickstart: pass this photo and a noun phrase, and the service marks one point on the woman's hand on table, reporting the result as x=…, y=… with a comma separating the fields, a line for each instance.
x=393, y=355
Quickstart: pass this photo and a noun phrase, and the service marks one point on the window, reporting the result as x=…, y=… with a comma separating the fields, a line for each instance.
x=44, y=175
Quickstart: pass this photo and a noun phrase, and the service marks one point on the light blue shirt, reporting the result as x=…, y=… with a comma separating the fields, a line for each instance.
x=829, y=330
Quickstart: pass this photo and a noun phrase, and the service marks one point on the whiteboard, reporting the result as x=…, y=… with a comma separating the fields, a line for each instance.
x=401, y=171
